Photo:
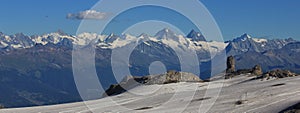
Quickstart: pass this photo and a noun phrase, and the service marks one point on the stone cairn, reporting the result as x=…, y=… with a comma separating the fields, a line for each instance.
x=230, y=71
x=230, y=65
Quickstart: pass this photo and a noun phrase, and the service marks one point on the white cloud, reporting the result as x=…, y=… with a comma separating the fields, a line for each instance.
x=88, y=14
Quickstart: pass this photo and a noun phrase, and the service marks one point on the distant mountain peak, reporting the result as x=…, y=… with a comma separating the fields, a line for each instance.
x=242, y=38
x=245, y=35
x=144, y=35
x=165, y=34
x=61, y=32
x=193, y=33
x=196, y=36
x=166, y=30
x=111, y=35
x=19, y=34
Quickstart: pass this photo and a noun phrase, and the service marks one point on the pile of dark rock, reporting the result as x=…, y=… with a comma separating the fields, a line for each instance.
x=278, y=73
x=230, y=71
x=130, y=82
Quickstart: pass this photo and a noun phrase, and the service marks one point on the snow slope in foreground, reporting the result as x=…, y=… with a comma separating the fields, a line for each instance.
x=258, y=96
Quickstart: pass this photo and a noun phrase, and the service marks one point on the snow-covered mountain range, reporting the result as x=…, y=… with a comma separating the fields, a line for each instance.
x=42, y=64
x=194, y=40
x=160, y=45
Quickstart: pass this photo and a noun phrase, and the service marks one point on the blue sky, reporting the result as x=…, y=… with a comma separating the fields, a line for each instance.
x=259, y=18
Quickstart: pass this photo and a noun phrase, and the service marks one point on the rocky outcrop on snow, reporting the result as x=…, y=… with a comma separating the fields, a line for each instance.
x=230, y=64
x=133, y=81
x=230, y=71
x=278, y=73
x=257, y=70
x=172, y=77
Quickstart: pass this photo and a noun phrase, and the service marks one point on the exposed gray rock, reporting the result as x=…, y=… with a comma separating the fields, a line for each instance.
x=133, y=81
x=127, y=83
x=278, y=74
x=172, y=77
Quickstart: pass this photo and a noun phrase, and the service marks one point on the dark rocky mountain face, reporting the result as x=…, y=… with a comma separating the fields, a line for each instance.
x=245, y=44
x=37, y=76
x=284, y=58
x=143, y=55
x=196, y=36
x=43, y=75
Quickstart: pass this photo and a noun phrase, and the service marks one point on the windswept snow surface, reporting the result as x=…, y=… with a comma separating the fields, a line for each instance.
x=258, y=97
